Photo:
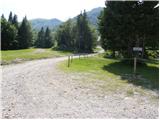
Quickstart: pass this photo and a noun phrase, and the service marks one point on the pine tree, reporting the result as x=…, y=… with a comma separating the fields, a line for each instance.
x=40, y=43
x=10, y=17
x=77, y=37
x=84, y=39
x=79, y=34
x=8, y=34
x=48, y=38
x=125, y=24
x=24, y=34
x=15, y=43
x=2, y=17
x=65, y=36
x=15, y=21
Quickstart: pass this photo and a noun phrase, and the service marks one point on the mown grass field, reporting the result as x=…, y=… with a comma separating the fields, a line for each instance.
x=115, y=72
x=16, y=56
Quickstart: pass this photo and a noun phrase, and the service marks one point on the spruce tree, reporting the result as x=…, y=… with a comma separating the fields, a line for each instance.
x=8, y=34
x=24, y=34
x=10, y=17
x=15, y=21
x=2, y=17
x=48, y=38
x=84, y=37
x=125, y=24
x=40, y=43
x=65, y=36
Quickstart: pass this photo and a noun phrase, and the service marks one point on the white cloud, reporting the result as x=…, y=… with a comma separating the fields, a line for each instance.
x=61, y=9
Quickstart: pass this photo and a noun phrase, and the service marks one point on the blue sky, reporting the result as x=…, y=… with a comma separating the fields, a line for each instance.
x=61, y=9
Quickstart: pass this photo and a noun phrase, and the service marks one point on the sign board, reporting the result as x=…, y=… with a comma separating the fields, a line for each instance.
x=137, y=49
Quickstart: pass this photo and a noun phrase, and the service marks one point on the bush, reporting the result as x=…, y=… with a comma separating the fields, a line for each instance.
x=152, y=54
x=111, y=54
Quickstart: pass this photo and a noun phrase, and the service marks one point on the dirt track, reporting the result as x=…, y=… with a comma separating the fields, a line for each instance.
x=37, y=89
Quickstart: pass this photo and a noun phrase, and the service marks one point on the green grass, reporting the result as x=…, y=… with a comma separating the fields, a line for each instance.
x=10, y=56
x=116, y=71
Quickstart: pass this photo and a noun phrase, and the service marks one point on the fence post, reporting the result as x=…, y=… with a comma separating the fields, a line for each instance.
x=79, y=56
x=68, y=61
x=71, y=58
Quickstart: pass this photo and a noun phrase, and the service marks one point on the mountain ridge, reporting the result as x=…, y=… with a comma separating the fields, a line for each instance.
x=53, y=23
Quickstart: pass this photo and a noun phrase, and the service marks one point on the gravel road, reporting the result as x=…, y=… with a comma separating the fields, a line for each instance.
x=37, y=89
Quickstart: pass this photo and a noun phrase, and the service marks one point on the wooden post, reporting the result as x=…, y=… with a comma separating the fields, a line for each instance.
x=68, y=61
x=135, y=64
x=71, y=58
x=79, y=56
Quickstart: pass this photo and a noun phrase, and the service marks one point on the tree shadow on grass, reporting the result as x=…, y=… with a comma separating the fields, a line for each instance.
x=147, y=76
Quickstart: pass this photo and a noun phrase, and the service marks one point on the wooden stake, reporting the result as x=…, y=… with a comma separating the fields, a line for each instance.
x=71, y=58
x=135, y=65
x=68, y=61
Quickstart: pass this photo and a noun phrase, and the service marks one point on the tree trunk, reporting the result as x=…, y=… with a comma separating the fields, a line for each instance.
x=113, y=54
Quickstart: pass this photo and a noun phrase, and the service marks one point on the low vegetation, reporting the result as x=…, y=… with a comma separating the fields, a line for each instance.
x=16, y=56
x=116, y=72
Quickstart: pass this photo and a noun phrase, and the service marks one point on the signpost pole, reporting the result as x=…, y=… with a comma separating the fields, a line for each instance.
x=135, y=64
x=136, y=50
x=71, y=58
x=68, y=61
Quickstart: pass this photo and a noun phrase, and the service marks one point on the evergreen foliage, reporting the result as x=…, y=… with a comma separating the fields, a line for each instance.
x=84, y=37
x=126, y=24
x=8, y=35
x=40, y=39
x=14, y=36
x=44, y=39
x=25, y=34
x=64, y=36
x=10, y=17
x=48, y=38
x=76, y=36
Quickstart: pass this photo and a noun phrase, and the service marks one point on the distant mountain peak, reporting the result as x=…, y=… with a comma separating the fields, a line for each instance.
x=41, y=22
x=54, y=22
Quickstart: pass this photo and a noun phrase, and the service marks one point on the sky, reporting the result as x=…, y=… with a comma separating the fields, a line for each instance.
x=60, y=9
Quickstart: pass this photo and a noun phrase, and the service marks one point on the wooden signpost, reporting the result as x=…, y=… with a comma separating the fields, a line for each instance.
x=68, y=61
x=136, y=49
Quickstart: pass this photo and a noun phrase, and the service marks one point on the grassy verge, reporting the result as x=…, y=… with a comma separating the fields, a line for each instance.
x=16, y=56
x=116, y=73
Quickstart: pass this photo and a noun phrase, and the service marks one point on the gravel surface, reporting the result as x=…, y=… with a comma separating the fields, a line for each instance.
x=37, y=89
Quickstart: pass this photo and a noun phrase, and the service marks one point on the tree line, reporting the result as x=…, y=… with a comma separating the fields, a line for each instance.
x=44, y=39
x=127, y=24
x=15, y=35
x=76, y=36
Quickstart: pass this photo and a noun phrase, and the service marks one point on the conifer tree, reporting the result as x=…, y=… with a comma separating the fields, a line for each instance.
x=40, y=43
x=10, y=17
x=48, y=38
x=84, y=39
x=15, y=21
x=125, y=24
x=24, y=34
x=8, y=34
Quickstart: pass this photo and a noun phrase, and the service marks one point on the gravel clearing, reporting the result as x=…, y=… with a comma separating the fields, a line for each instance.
x=37, y=89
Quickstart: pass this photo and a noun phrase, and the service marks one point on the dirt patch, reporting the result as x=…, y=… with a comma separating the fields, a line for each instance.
x=39, y=51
